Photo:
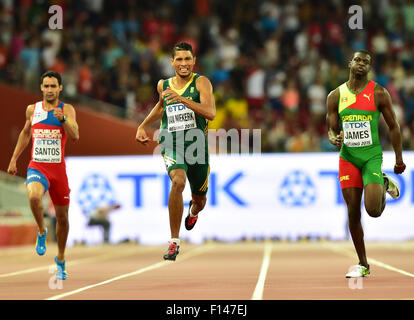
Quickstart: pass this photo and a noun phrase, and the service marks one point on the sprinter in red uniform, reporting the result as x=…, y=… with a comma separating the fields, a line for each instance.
x=48, y=123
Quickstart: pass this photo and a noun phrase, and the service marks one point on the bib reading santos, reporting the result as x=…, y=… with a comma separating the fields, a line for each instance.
x=359, y=118
x=48, y=136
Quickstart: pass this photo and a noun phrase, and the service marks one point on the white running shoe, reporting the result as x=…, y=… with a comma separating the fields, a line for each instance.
x=358, y=271
x=392, y=187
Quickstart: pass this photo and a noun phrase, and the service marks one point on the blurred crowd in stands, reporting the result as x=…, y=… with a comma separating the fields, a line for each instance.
x=272, y=62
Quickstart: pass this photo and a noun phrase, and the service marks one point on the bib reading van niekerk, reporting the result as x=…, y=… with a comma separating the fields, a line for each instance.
x=177, y=118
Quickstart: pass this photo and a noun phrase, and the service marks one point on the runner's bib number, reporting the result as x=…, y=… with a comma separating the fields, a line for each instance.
x=357, y=134
x=47, y=150
x=180, y=118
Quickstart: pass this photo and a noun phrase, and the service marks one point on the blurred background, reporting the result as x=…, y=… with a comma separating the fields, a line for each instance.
x=271, y=62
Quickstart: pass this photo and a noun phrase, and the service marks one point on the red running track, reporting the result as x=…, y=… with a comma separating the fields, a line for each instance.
x=210, y=271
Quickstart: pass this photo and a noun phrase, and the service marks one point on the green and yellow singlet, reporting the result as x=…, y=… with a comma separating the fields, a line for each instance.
x=359, y=119
x=177, y=117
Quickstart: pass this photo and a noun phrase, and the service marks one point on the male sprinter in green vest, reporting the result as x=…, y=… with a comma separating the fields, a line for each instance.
x=185, y=105
x=357, y=104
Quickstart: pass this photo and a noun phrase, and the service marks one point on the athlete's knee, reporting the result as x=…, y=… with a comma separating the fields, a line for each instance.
x=354, y=216
x=373, y=209
x=62, y=216
x=374, y=212
x=62, y=222
x=35, y=199
x=178, y=183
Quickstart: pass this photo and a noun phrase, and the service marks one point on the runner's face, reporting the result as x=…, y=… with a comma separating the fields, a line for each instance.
x=360, y=64
x=50, y=88
x=183, y=63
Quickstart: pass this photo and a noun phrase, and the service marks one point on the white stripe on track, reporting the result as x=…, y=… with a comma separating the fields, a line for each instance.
x=370, y=260
x=154, y=266
x=258, y=291
x=100, y=257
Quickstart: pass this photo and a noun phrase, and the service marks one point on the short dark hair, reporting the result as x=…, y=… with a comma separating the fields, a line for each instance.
x=182, y=46
x=363, y=51
x=51, y=74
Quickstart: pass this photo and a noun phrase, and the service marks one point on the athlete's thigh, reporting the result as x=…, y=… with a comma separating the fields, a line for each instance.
x=173, y=159
x=35, y=189
x=373, y=197
x=373, y=182
x=37, y=183
x=372, y=171
x=59, y=190
x=350, y=176
x=198, y=175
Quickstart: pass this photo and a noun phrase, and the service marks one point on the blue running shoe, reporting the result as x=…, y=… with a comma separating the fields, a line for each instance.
x=41, y=243
x=61, y=273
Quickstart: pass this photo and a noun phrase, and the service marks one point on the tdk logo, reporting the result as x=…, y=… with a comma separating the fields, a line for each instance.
x=48, y=142
x=176, y=107
x=356, y=125
x=215, y=189
x=297, y=189
x=94, y=192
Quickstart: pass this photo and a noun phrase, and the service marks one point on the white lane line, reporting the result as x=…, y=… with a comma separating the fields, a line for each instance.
x=258, y=291
x=100, y=257
x=154, y=266
x=388, y=267
x=370, y=260
x=25, y=271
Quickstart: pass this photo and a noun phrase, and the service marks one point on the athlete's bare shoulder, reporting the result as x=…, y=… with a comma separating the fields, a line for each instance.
x=160, y=85
x=380, y=91
x=29, y=111
x=203, y=82
x=382, y=98
x=333, y=96
x=202, y=78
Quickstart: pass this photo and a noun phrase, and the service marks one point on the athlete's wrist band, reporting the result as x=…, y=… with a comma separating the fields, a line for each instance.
x=400, y=165
x=63, y=119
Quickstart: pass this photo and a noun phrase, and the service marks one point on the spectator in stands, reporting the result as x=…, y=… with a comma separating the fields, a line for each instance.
x=306, y=43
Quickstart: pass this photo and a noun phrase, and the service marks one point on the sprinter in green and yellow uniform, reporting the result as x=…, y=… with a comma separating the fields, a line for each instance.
x=186, y=104
x=357, y=105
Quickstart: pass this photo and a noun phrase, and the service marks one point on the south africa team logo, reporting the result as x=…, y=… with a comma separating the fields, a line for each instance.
x=297, y=189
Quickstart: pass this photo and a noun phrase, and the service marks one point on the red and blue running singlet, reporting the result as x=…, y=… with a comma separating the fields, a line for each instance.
x=47, y=164
x=49, y=138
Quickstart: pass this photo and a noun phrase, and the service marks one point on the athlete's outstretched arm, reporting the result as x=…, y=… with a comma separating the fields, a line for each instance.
x=70, y=125
x=22, y=142
x=332, y=118
x=207, y=106
x=154, y=115
x=384, y=103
